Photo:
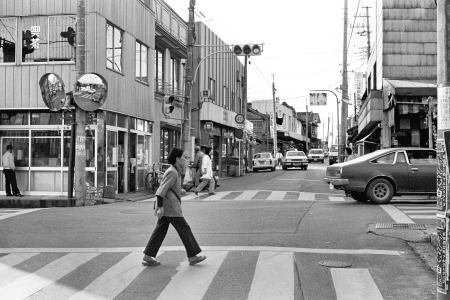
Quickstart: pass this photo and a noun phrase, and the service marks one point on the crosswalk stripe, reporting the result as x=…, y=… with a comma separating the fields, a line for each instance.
x=189, y=197
x=29, y=284
x=192, y=282
x=426, y=217
x=396, y=214
x=276, y=195
x=217, y=196
x=13, y=259
x=247, y=195
x=274, y=277
x=19, y=212
x=420, y=211
x=337, y=199
x=354, y=284
x=113, y=281
x=307, y=196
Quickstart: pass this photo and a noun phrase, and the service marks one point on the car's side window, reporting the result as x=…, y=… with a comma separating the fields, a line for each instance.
x=421, y=157
x=401, y=157
x=385, y=159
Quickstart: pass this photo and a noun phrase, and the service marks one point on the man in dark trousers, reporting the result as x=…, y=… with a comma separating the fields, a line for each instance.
x=197, y=165
x=10, y=174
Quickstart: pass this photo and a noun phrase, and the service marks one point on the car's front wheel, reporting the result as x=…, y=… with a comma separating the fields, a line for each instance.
x=360, y=197
x=380, y=191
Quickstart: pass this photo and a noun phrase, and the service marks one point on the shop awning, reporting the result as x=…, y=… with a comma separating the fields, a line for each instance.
x=366, y=131
x=369, y=137
x=412, y=87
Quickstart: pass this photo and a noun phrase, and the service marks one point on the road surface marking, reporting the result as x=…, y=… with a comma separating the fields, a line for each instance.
x=18, y=213
x=312, y=180
x=217, y=196
x=247, y=195
x=206, y=248
x=189, y=197
x=427, y=217
x=337, y=199
x=192, y=282
x=13, y=259
x=420, y=211
x=307, y=196
x=396, y=214
x=276, y=195
x=115, y=280
x=354, y=284
x=273, y=277
x=29, y=284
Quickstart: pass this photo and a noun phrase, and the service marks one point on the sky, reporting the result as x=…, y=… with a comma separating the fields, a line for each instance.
x=303, y=46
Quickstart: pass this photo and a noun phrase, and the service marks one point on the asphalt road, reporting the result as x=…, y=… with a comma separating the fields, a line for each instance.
x=270, y=243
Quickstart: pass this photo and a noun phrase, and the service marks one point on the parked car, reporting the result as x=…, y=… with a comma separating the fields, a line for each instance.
x=386, y=173
x=333, y=155
x=316, y=155
x=295, y=159
x=264, y=161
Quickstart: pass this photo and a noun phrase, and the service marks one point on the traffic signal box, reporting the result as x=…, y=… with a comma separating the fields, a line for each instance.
x=28, y=45
x=243, y=50
x=70, y=35
x=168, y=106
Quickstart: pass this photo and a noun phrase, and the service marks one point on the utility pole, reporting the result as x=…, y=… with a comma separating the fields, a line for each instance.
x=307, y=135
x=368, y=32
x=244, y=112
x=80, y=117
x=186, y=122
x=443, y=148
x=328, y=131
x=344, y=105
x=275, y=145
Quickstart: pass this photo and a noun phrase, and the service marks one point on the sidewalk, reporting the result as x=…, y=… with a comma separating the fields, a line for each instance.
x=42, y=201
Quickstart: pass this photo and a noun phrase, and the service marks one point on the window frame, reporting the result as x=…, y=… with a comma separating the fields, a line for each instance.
x=113, y=48
x=140, y=62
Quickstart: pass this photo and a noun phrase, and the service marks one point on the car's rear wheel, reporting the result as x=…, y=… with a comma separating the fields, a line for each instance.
x=255, y=170
x=380, y=191
x=360, y=197
x=305, y=168
x=273, y=169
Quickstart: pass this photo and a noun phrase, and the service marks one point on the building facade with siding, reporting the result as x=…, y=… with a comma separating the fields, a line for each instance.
x=402, y=73
x=120, y=46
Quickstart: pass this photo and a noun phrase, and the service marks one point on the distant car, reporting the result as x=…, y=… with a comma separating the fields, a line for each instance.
x=383, y=174
x=264, y=161
x=333, y=154
x=316, y=155
x=295, y=159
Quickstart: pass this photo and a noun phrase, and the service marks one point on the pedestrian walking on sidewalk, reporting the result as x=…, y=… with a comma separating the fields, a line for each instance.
x=279, y=158
x=197, y=165
x=168, y=211
x=9, y=169
x=208, y=176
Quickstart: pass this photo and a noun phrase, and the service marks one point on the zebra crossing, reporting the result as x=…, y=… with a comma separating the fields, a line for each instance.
x=421, y=211
x=6, y=213
x=263, y=195
x=117, y=273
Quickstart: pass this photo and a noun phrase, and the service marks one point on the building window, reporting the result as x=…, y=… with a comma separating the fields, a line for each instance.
x=212, y=89
x=233, y=102
x=113, y=47
x=226, y=99
x=141, y=62
x=175, y=67
x=39, y=41
x=8, y=39
x=159, y=70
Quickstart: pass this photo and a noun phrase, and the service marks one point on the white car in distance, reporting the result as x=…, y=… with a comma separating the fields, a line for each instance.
x=295, y=159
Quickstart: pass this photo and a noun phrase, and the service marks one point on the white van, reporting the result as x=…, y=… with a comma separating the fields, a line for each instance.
x=333, y=155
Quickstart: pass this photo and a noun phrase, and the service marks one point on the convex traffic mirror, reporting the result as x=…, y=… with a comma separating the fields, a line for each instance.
x=90, y=91
x=53, y=93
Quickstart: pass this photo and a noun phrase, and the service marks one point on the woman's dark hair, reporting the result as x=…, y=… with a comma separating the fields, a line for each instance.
x=349, y=150
x=174, y=153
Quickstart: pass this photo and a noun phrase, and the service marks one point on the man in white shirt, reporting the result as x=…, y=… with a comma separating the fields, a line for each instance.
x=10, y=174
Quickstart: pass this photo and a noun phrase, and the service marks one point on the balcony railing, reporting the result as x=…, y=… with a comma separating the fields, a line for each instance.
x=167, y=89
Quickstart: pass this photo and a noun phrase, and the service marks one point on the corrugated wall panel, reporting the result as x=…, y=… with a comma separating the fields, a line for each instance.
x=34, y=93
x=3, y=87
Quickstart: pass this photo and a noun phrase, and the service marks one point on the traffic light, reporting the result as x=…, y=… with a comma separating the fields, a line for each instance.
x=168, y=107
x=243, y=50
x=28, y=42
x=70, y=35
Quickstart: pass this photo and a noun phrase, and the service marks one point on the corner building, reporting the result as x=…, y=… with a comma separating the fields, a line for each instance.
x=120, y=46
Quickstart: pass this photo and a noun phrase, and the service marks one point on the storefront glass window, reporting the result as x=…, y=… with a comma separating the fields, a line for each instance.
x=44, y=118
x=66, y=148
x=14, y=118
x=111, y=159
x=122, y=121
x=46, y=148
x=90, y=148
x=110, y=118
x=20, y=146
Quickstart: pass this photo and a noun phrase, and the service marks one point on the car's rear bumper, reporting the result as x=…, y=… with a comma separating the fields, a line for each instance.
x=338, y=183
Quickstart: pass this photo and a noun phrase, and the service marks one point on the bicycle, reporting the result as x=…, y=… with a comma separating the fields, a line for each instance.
x=152, y=180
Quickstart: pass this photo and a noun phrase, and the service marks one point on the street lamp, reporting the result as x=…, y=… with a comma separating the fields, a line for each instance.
x=340, y=149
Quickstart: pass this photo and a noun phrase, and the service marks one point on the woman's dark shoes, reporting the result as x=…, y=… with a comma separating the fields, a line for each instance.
x=18, y=195
x=9, y=195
